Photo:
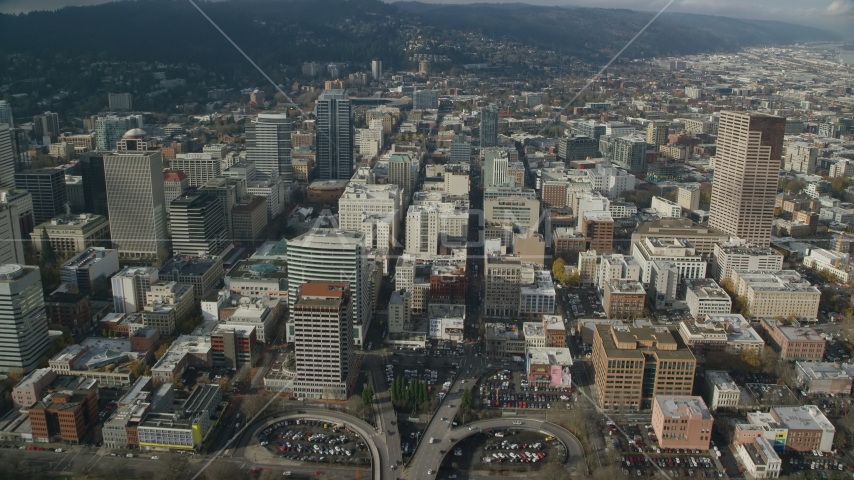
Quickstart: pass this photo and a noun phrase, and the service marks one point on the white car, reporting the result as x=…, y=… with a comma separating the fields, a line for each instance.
x=286, y=474
x=517, y=422
x=473, y=427
x=155, y=457
x=430, y=471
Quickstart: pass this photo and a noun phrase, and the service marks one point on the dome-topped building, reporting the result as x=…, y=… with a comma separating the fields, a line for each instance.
x=135, y=133
x=134, y=140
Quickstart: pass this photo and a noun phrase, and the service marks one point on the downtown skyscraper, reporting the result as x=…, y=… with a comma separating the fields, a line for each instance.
x=137, y=205
x=747, y=168
x=334, y=137
x=268, y=144
x=489, y=126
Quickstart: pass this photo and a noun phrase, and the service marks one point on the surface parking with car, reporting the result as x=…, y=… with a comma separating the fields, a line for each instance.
x=501, y=448
x=500, y=390
x=314, y=441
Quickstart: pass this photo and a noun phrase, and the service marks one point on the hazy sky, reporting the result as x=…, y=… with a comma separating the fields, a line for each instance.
x=832, y=14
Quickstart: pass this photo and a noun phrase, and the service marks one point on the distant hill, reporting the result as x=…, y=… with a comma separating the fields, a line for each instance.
x=288, y=32
x=594, y=32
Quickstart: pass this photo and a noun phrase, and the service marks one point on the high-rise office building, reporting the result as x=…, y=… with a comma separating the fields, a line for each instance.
x=629, y=152
x=495, y=166
x=129, y=287
x=47, y=187
x=197, y=224
x=326, y=255
x=400, y=173
x=175, y=183
x=334, y=139
x=199, y=167
x=91, y=167
x=120, y=101
x=268, y=144
x=137, y=205
x=22, y=200
x=747, y=166
x=7, y=157
x=109, y=130
x=45, y=125
x=460, y=149
x=228, y=191
x=656, y=134
x=489, y=126
x=6, y=114
x=376, y=69
x=11, y=246
x=24, y=338
x=425, y=99
x=323, y=341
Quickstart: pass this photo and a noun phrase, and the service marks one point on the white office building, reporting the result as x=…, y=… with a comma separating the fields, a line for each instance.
x=327, y=255
x=23, y=322
x=199, y=167
x=679, y=252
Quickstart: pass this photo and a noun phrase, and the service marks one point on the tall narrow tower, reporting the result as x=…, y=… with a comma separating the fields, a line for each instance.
x=268, y=144
x=489, y=126
x=334, y=137
x=747, y=166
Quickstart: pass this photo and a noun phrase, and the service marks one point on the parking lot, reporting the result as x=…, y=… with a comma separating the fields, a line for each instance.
x=500, y=450
x=314, y=441
x=581, y=302
x=508, y=388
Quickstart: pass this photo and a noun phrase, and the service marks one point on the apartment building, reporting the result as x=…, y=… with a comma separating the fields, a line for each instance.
x=777, y=294
x=623, y=299
x=739, y=255
x=721, y=390
x=793, y=343
x=323, y=341
x=678, y=251
x=704, y=296
x=682, y=422
x=503, y=286
x=634, y=364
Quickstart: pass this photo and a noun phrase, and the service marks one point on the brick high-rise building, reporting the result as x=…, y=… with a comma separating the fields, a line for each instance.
x=323, y=341
x=747, y=167
x=634, y=364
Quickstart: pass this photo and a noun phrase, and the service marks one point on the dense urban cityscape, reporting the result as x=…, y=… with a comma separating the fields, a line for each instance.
x=452, y=255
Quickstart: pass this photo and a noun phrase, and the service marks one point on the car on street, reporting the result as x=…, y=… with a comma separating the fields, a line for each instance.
x=155, y=457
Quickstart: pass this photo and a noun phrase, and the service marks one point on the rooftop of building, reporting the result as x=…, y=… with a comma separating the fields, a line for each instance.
x=625, y=286
x=327, y=238
x=683, y=407
x=805, y=417
x=747, y=249
x=133, y=271
x=722, y=380
x=554, y=322
x=658, y=340
x=259, y=269
x=89, y=257
x=549, y=356
x=34, y=377
x=183, y=345
x=202, y=398
x=190, y=266
x=72, y=222
x=825, y=371
x=533, y=329
x=706, y=289
x=676, y=227
x=254, y=203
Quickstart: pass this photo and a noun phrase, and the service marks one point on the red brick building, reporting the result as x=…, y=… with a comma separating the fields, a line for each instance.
x=67, y=413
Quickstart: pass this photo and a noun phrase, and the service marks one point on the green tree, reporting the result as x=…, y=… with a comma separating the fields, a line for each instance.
x=48, y=256
x=467, y=400
x=557, y=269
x=368, y=395
x=751, y=358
